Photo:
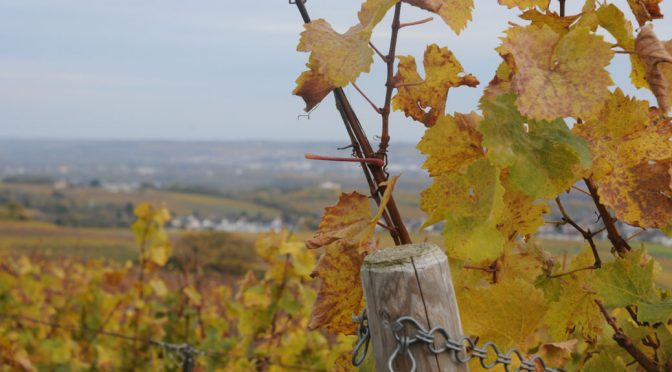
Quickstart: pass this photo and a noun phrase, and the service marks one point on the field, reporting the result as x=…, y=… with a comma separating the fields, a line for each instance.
x=118, y=244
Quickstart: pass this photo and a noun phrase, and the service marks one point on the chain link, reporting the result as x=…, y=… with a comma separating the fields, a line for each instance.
x=437, y=339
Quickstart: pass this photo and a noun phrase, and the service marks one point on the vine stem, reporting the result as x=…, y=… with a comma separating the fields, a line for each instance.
x=626, y=342
x=390, y=83
x=375, y=175
x=614, y=236
x=586, y=233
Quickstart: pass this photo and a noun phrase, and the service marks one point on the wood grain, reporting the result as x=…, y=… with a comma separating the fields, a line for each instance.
x=410, y=280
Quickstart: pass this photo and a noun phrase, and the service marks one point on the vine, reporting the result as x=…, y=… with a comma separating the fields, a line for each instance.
x=548, y=119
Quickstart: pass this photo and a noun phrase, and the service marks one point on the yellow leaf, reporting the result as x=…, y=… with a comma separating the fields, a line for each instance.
x=451, y=144
x=340, y=58
x=193, y=295
x=551, y=19
x=525, y=4
x=160, y=253
x=471, y=204
x=507, y=313
x=558, y=75
x=345, y=233
x=158, y=287
x=336, y=60
x=442, y=71
x=340, y=295
x=349, y=220
x=556, y=354
x=521, y=215
x=389, y=187
x=632, y=153
x=456, y=13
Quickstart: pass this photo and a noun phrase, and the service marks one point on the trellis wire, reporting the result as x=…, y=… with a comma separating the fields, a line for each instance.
x=462, y=349
x=186, y=354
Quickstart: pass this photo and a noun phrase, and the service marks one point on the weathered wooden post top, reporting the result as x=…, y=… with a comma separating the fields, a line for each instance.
x=410, y=281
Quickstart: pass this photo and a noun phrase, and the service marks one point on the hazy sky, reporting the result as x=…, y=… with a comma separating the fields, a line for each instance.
x=202, y=69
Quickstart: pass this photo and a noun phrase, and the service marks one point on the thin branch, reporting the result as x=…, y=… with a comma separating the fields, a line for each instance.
x=598, y=231
x=587, y=234
x=634, y=235
x=381, y=55
x=613, y=234
x=374, y=175
x=402, y=25
x=384, y=226
x=389, y=84
x=373, y=161
x=626, y=342
x=375, y=108
x=592, y=267
x=555, y=222
x=562, y=8
x=581, y=190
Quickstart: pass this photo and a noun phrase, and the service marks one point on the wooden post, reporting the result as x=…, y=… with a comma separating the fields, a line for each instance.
x=410, y=280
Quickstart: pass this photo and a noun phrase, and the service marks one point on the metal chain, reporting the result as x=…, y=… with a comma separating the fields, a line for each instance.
x=462, y=349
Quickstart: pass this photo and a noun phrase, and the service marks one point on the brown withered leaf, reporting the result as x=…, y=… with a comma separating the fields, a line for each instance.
x=345, y=233
x=645, y=10
x=340, y=295
x=653, y=53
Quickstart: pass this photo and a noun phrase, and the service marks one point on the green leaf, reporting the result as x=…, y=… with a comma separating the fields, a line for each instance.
x=658, y=312
x=543, y=158
x=626, y=281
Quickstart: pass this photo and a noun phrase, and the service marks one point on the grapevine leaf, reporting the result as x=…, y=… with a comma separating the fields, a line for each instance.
x=349, y=220
x=312, y=87
x=613, y=20
x=456, y=13
x=657, y=62
x=521, y=215
x=340, y=58
x=626, y=281
x=337, y=59
x=471, y=203
x=557, y=353
x=507, y=313
x=452, y=143
x=631, y=158
x=575, y=312
x=658, y=312
x=542, y=161
x=600, y=362
x=551, y=19
x=150, y=235
x=442, y=71
x=558, y=75
x=345, y=233
x=340, y=295
x=525, y=4
x=645, y=10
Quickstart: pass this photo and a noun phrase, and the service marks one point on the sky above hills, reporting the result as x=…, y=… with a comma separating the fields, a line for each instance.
x=205, y=69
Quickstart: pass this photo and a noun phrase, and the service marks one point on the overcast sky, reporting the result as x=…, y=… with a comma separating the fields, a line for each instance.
x=205, y=69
